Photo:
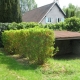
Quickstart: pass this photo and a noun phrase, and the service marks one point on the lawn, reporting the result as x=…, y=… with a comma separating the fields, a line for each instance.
x=53, y=69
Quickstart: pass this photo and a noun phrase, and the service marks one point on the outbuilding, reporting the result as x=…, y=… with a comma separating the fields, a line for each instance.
x=68, y=42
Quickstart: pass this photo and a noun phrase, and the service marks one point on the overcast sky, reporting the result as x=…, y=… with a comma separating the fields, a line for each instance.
x=61, y=2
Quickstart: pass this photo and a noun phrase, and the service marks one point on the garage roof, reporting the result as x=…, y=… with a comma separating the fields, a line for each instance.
x=66, y=35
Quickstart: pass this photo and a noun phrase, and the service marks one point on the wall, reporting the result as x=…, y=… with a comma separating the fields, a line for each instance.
x=54, y=13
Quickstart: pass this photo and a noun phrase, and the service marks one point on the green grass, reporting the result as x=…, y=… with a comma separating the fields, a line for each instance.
x=54, y=69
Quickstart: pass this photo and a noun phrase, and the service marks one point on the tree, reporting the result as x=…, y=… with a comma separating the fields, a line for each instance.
x=72, y=10
x=10, y=11
x=72, y=13
x=67, y=13
x=27, y=5
x=77, y=12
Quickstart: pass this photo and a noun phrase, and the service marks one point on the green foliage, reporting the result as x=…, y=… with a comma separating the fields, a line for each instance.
x=23, y=25
x=34, y=43
x=3, y=26
x=27, y=5
x=71, y=11
x=57, y=26
x=72, y=24
x=10, y=11
x=16, y=26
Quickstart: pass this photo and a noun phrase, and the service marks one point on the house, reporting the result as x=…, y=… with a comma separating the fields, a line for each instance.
x=51, y=13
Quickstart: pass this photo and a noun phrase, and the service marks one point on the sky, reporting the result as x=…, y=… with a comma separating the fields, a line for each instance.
x=61, y=2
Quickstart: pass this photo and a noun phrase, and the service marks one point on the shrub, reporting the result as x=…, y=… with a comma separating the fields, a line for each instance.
x=23, y=25
x=34, y=43
x=16, y=26
x=57, y=26
x=72, y=24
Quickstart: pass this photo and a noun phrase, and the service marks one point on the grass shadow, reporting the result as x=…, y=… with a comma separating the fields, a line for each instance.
x=15, y=65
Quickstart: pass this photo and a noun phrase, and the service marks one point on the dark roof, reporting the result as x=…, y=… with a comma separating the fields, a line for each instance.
x=66, y=35
x=37, y=14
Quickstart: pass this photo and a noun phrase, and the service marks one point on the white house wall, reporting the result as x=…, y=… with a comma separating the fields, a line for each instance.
x=54, y=13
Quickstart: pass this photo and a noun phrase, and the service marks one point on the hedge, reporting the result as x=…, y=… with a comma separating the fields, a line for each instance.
x=72, y=24
x=16, y=26
x=23, y=25
x=57, y=26
x=34, y=43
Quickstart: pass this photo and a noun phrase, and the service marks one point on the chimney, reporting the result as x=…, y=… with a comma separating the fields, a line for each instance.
x=56, y=1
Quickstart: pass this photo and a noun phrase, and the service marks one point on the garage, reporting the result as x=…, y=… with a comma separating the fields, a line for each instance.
x=68, y=42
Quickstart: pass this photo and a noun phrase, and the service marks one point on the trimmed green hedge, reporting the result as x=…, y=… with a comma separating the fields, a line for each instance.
x=57, y=26
x=16, y=26
x=34, y=43
x=23, y=25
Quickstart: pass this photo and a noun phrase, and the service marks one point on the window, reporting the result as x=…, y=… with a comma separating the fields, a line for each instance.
x=60, y=19
x=48, y=20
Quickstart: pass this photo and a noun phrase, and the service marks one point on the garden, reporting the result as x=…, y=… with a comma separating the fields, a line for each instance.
x=27, y=52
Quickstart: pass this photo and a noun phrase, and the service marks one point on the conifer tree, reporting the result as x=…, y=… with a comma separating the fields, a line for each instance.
x=10, y=11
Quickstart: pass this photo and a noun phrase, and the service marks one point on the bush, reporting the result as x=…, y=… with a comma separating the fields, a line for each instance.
x=72, y=24
x=57, y=26
x=16, y=26
x=23, y=25
x=34, y=43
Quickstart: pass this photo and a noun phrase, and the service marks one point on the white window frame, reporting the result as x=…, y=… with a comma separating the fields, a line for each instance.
x=60, y=20
x=48, y=20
